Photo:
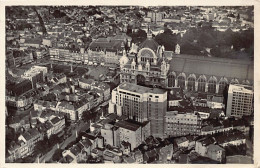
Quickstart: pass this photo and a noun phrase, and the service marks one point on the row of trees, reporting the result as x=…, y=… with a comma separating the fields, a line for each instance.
x=196, y=40
x=43, y=146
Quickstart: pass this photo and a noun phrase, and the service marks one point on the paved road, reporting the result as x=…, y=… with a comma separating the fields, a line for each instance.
x=239, y=159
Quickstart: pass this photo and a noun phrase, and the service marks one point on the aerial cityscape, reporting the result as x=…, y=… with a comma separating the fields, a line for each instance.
x=129, y=84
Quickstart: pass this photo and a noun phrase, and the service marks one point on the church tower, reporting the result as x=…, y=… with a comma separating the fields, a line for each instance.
x=133, y=64
x=163, y=68
x=149, y=33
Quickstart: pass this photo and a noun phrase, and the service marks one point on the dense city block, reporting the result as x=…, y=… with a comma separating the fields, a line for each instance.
x=129, y=84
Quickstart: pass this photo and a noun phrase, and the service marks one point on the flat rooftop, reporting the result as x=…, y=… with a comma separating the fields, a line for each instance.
x=240, y=88
x=219, y=67
x=140, y=89
x=127, y=125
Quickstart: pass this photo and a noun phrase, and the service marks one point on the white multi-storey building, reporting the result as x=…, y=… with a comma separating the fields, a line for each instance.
x=141, y=104
x=240, y=100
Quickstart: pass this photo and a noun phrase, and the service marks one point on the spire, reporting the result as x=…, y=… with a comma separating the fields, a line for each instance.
x=71, y=68
x=149, y=33
x=177, y=49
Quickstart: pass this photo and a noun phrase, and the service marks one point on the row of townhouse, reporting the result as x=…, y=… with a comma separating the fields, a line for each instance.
x=80, y=151
x=73, y=102
x=24, y=145
x=191, y=123
x=101, y=51
x=73, y=110
x=91, y=84
x=26, y=141
x=211, y=127
x=60, y=54
x=214, y=147
x=89, y=57
x=15, y=58
x=23, y=101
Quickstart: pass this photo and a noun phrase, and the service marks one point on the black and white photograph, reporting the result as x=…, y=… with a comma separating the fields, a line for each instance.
x=129, y=84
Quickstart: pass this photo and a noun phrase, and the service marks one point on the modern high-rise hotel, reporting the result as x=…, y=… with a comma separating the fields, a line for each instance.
x=141, y=104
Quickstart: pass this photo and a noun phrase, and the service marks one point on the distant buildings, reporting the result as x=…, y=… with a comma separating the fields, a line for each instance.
x=111, y=49
x=100, y=51
x=240, y=100
x=140, y=104
x=155, y=16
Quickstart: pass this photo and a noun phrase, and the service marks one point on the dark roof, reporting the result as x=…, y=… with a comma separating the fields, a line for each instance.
x=90, y=136
x=140, y=89
x=183, y=158
x=127, y=125
x=86, y=142
x=195, y=158
x=55, y=120
x=150, y=156
x=106, y=44
x=149, y=43
x=68, y=159
x=142, y=124
x=229, y=137
x=33, y=41
x=125, y=144
x=76, y=149
x=230, y=68
x=31, y=133
x=111, y=116
x=20, y=88
x=206, y=141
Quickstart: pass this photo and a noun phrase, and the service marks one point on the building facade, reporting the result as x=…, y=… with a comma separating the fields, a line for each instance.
x=141, y=104
x=181, y=123
x=148, y=68
x=130, y=132
x=240, y=101
x=151, y=66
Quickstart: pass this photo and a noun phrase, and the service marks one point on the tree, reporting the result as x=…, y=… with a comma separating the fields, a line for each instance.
x=85, y=116
x=216, y=52
x=190, y=35
x=206, y=40
x=168, y=39
x=138, y=36
x=57, y=155
x=189, y=48
x=58, y=14
x=54, y=139
x=41, y=147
